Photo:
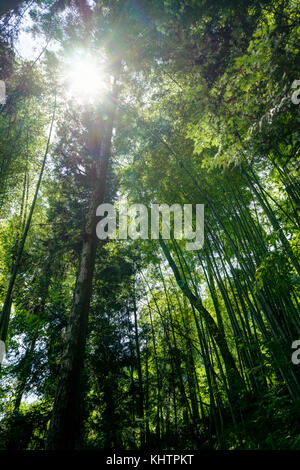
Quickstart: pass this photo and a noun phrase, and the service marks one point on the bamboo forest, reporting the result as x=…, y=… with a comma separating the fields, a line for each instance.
x=149, y=225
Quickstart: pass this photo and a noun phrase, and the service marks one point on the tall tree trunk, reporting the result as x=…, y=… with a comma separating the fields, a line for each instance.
x=5, y=314
x=139, y=370
x=65, y=421
x=158, y=383
x=233, y=375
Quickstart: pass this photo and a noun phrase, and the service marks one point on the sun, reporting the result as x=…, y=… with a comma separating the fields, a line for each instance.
x=85, y=79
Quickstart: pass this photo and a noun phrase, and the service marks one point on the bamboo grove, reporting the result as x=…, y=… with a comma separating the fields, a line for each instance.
x=141, y=344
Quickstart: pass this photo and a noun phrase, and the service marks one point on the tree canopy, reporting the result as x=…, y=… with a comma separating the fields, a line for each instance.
x=142, y=343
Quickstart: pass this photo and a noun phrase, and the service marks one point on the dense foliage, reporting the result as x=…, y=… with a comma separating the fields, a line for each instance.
x=138, y=344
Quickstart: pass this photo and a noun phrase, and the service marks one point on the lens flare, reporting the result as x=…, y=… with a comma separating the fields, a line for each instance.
x=85, y=80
